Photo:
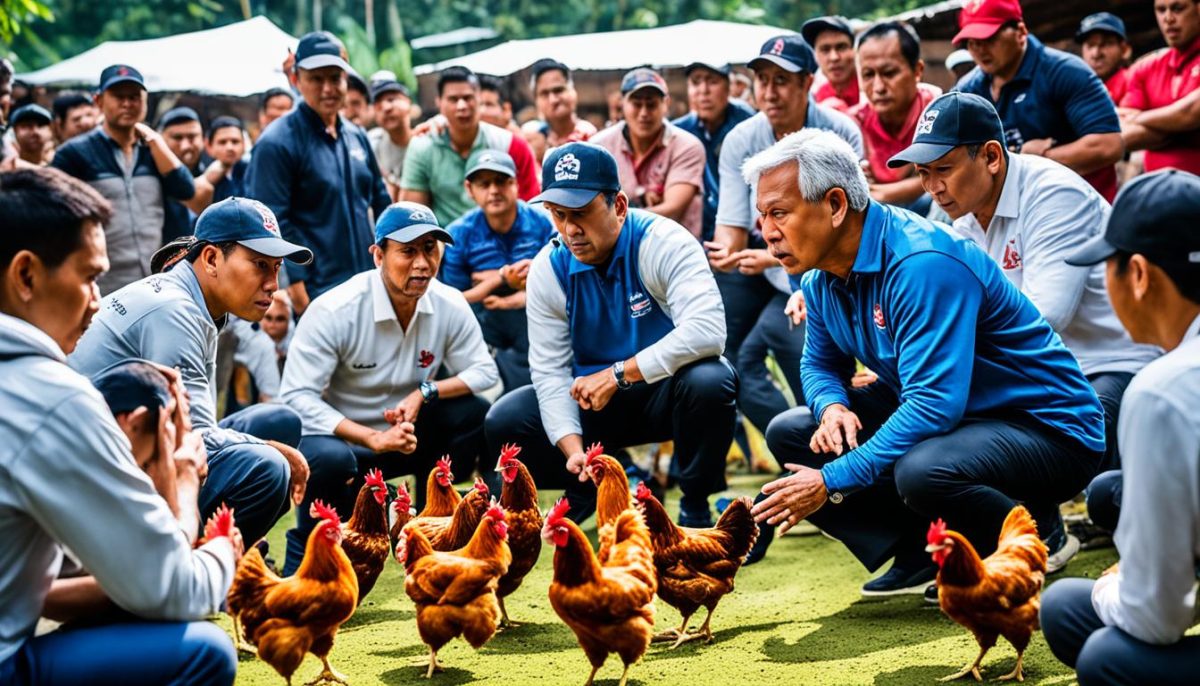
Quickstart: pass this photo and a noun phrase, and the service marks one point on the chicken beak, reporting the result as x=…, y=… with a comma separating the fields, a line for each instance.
x=931, y=548
x=499, y=468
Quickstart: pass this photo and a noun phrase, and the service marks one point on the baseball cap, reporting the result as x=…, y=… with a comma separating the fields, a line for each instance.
x=1154, y=215
x=1100, y=21
x=952, y=120
x=120, y=73
x=177, y=115
x=637, y=79
x=381, y=87
x=789, y=52
x=491, y=160
x=981, y=19
x=30, y=112
x=723, y=70
x=575, y=173
x=405, y=222
x=958, y=57
x=814, y=27
x=320, y=49
x=248, y=223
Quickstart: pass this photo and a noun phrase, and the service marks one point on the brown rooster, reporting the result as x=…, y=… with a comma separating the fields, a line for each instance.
x=365, y=536
x=402, y=512
x=455, y=592
x=286, y=618
x=453, y=532
x=612, y=493
x=696, y=566
x=518, y=497
x=609, y=606
x=996, y=596
x=440, y=496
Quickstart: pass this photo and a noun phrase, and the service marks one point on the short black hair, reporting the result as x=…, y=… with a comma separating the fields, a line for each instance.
x=66, y=102
x=131, y=384
x=225, y=247
x=1186, y=279
x=275, y=93
x=223, y=122
x=495, y=84
x=910, y=42
x=544, y=65
x=456, y=74
x=44, y=211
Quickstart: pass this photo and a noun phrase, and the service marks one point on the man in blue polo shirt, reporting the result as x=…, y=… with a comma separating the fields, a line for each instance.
x=978, y=405
x=489, y=259
x=317, y=172
x=626, y=330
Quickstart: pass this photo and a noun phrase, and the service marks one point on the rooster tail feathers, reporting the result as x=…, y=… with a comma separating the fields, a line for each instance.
x=1018, y=522
x=739, y=524
x=250, y=583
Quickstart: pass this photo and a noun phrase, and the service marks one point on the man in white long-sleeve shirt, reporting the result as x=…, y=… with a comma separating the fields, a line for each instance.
x=1128, y=626
x=626, y=329
x=68, y=478
x=362, y=371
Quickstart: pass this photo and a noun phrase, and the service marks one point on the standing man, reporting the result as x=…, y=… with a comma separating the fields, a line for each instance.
x=131, y=165
x=1129, y=626
x=180, y=128
x=959, y=63
x=978, y=404
x=362, y=367
x=713, y=115
x=489, y=259
x=226, y=145
x=436, y=164
x=495, y=107
x=393, y=109
x=31, y=131
x=316, y=172
x=357, y=106
x=832, y=40
x=625, y=338
x=555, y=97
x=1101, y=37
x=1051, y=103
x=74, y=115
x=275, y=103
x=661, y=166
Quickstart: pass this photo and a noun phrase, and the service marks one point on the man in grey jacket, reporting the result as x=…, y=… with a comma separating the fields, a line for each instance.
x=68, y=479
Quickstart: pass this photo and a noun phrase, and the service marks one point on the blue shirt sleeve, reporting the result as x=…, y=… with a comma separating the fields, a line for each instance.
x=454, y=263
x=823, y=364
x=178, y=183
x=269, y=181
x=1088, y=106
x=933, y=302
x=69, y=159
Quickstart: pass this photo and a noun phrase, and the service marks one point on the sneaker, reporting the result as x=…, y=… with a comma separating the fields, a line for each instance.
x=931, y=594
x=1091, y=536
x=897, y=581
x=695, y=516
x=1059, y=558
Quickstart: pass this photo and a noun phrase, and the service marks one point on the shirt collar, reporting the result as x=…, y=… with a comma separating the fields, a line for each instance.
x=618, y=256
x=1008, y=206
x=1176, y=58
x=870, y=246
x=662, y=139
x=185, y=273
x=314, y=120
x=1193, y=331
x=381, y=304
x=34, y=336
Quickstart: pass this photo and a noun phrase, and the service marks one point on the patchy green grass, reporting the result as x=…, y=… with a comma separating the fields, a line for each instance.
x=796, y=618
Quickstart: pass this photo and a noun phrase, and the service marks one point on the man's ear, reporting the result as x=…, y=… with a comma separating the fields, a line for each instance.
x=377, y=254
x=1139, y=275
x=993, y=156
x=134, y=422
x=621, y=205
x=21, y=273
x=839, y=205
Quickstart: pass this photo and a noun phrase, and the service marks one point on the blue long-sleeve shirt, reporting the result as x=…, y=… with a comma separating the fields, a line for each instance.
x=936, y=319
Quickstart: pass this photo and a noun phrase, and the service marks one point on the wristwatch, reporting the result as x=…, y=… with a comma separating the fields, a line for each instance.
x=618, y=371
x=429, y=391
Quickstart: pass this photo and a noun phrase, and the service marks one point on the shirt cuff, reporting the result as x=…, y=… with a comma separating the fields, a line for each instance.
x=1106, y=597
x=648, y=365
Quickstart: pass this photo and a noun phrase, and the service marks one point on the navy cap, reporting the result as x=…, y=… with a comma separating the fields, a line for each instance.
x=575, y=173
x=384, y=86
x=723, y=70
x=789, y=52
x=320, y=49
x=248, y=223
x=120, y=73
x=405, y=222
x=178, y=115
x=952, y=120
x=815, y=27
x=491, y=160
x=224, y=122
x=30, y=112
x=637, y=79
x=1154, y=215
x=130, y=384
x=358, y=83
x=1100, y=21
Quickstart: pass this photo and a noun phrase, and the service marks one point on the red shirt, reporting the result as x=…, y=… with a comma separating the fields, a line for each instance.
x=842, y=100
x=881, y=145
x=1158, y=80
x=1118, y=84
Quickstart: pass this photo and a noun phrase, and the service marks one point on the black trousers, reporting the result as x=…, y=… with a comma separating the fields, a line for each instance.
x=1110, y=387
x=507, y=331
x=695, y=408
x=971, y=476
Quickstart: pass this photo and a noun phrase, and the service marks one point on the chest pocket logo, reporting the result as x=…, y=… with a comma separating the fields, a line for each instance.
x=639, y=305
x=425, y=359
x=1012, y=258
x=358, y=153
x=364, y=365
x=877, y=315
x=1019, y=99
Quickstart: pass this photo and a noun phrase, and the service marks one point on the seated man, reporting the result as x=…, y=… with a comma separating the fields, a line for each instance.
x=1029, y=213
x=362, y=367
x=173, y=319
x=489, y=259
x=71, y=482
x=626, y=330
x=1128, y=627
x=978, y=404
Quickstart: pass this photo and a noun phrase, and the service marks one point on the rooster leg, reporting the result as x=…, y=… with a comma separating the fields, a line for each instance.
x=505, y=622
x=972, y=669
x=624, y=676
x=1016, y=673
x=434, y=667
x=240, y=639
x=592, y=676
x=673, y=634
x=328, y=675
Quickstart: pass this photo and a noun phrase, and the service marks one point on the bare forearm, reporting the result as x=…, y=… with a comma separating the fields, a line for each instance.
x=570, y=444
x=77, y=598
x=1092, y=152
x=352, y=431
x=453, y=387
x=733, y=237
x=409, y=195
x=489, y=283
x=898, y=192
x=1138, y=137
x=187, y=501
x=1178, y=117
x=164, y=160
x=675, y=201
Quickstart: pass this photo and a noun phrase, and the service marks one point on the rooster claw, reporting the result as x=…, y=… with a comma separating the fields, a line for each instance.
x=687, y=638
x=973, y=670
x=1015, y=674
x=669, y=635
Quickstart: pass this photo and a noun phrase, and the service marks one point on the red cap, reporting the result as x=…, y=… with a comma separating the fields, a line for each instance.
x=981, y=19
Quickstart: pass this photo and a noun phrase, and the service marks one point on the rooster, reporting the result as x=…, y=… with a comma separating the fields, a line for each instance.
x=402, y=512
x=609, y=606
x=519, y=499
x=286, y=618
x=440, y=496
x=365, y=536
x=696, y=566
x=455, y=592
x=453, y=532
x=996, y=596
x=612, y=493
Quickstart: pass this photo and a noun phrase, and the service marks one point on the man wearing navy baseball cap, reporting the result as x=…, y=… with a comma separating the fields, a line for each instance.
x=31, y=131
x=1106, y=49
x=173, y=319
x=385, y=370
x=625, y=337
x=1129, y=626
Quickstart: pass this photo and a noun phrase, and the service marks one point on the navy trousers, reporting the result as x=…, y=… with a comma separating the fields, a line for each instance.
x=252, y=478
x=695, y=408
x=1110, y=387
x=971, y=476
x=1104, y=655
x=1104, y=499
x=132, y=654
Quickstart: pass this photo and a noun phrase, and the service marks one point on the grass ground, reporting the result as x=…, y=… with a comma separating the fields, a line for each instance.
x=795, y=618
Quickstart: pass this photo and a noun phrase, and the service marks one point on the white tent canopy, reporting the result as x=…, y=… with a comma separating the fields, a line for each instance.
x=239, y=59
x=712, y=42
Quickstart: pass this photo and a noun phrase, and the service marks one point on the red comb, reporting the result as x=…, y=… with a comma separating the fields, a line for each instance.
x=643, y=491
x=558, y=512
x=375, y=478
x=219, y=524
x=594, y=450
x=937, y=532
x=403, y=499
x=495, y=512
x=481, y=486
x=509, y=452
x=320, y=509
x=444, y=464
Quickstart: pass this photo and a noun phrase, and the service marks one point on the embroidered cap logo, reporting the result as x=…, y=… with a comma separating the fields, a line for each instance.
x=777, y=48
x=926, y=125
x=567, y=168
x=268, y=217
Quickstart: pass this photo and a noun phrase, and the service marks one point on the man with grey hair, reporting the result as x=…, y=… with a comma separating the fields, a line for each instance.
x=978, y=405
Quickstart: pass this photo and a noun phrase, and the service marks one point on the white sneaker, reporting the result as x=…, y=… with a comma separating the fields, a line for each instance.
x=1059, y=558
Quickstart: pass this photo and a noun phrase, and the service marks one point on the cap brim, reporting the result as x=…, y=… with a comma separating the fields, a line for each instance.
x=1093, y=252
x=1081, y=36
x=919, y=153
x=786, y=65
x=976, y=31
x=488, y=166
x=411, y=233
x=41, y=119
x=643, y=86
x=319, y=61
x=277, y=247
x=722, y=70
x=122, y=79
x=571, y=198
